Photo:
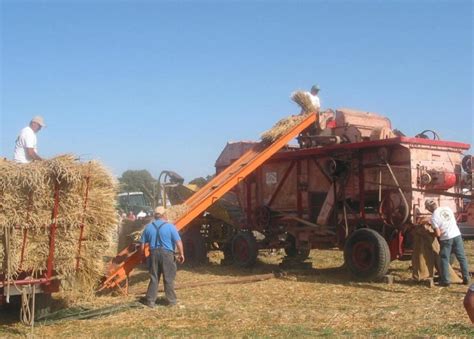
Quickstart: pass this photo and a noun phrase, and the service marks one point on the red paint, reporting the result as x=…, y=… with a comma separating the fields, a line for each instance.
x=23, y=246
x=299, y=200
x=285, y=155
x=396, y=246
x=444, y=181
x=361, y=187
x=249, y=201
x=78, y=259
x=52, y=233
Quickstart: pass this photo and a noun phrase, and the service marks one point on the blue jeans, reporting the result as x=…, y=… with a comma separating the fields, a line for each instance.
x=457, y=247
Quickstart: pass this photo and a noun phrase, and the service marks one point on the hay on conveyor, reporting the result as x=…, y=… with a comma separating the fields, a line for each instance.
x=303, y=100
x=26, y=205
x=282, y=127
x=130, y=231
x=173, y=213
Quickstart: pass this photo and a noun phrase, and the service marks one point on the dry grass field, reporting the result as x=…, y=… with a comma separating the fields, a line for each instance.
x=321, y=301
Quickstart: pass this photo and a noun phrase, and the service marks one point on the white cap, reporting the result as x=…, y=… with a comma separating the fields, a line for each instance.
x=39, y=120
x=160, y=210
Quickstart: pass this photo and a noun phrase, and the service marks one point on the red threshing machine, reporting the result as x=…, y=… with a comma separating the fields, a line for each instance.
x=351, y=182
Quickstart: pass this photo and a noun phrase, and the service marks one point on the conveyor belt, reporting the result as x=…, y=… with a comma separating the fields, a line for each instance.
x=207, y=195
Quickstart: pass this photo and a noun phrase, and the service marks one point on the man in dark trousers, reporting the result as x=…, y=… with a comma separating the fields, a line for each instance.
x=446, y=228
x=162, y=238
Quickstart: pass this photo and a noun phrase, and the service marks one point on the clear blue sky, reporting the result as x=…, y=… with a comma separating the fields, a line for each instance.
x=164, y=85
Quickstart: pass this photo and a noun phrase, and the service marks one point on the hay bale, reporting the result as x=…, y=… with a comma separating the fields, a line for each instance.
x=282, y=127
x=27, y=202
x=304, y=101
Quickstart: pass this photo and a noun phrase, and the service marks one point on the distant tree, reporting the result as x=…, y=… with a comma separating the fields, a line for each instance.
x=200, y=181
x=140, y=181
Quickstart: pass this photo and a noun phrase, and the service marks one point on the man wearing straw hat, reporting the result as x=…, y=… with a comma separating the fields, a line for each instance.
x=444, y=224
x=162, y=237
x=26, y=142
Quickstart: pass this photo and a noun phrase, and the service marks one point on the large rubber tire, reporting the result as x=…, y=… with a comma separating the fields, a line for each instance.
x=195, y=251
x=366, y=255
x=292, y=252
x=244, y=249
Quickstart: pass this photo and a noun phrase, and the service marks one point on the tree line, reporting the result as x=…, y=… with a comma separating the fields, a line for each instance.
x=143, y=181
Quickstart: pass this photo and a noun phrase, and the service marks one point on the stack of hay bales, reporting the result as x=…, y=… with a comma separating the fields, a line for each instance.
x=282, y=127
x=27, y=199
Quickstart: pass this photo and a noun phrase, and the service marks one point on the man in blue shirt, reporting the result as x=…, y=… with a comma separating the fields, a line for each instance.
x=162, y=238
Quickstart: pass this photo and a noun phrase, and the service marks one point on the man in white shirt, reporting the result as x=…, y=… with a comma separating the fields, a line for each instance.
x=444, y=224
x=26, y=142
x=313, y=95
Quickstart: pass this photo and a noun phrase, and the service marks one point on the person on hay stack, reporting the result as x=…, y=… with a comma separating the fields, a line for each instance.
x=444, y=224
x=313, y=95
x=26, y=142
x=162, y=237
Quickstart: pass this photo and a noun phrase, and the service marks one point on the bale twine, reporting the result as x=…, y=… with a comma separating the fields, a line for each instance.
x=27, y=201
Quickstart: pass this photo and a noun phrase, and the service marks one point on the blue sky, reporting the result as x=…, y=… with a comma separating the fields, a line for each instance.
x=165, y=84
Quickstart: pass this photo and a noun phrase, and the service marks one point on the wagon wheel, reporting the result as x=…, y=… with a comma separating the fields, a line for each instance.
x=367, y=255
x=244, y=249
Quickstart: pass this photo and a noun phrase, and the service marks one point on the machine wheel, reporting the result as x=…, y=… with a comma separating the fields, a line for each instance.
x=366, y=254
x=291, y=250
x=244, y=249
x=194, y=245
x=228, y=258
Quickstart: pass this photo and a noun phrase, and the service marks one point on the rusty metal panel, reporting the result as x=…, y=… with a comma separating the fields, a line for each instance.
x=272, y=174
x=428, y=159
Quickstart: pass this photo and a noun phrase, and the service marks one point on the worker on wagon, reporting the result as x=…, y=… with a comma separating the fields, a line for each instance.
x=26, y=142
x=444, y=224
x=162, y=237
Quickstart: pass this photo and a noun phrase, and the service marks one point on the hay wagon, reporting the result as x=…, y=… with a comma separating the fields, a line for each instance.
x=57, y=219
x=355, y=185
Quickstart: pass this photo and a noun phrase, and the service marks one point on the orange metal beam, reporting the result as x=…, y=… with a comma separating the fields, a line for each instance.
x=239, y=170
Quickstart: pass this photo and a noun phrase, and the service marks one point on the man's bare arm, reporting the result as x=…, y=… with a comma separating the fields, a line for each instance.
x=179, y=245
x=32, y=154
